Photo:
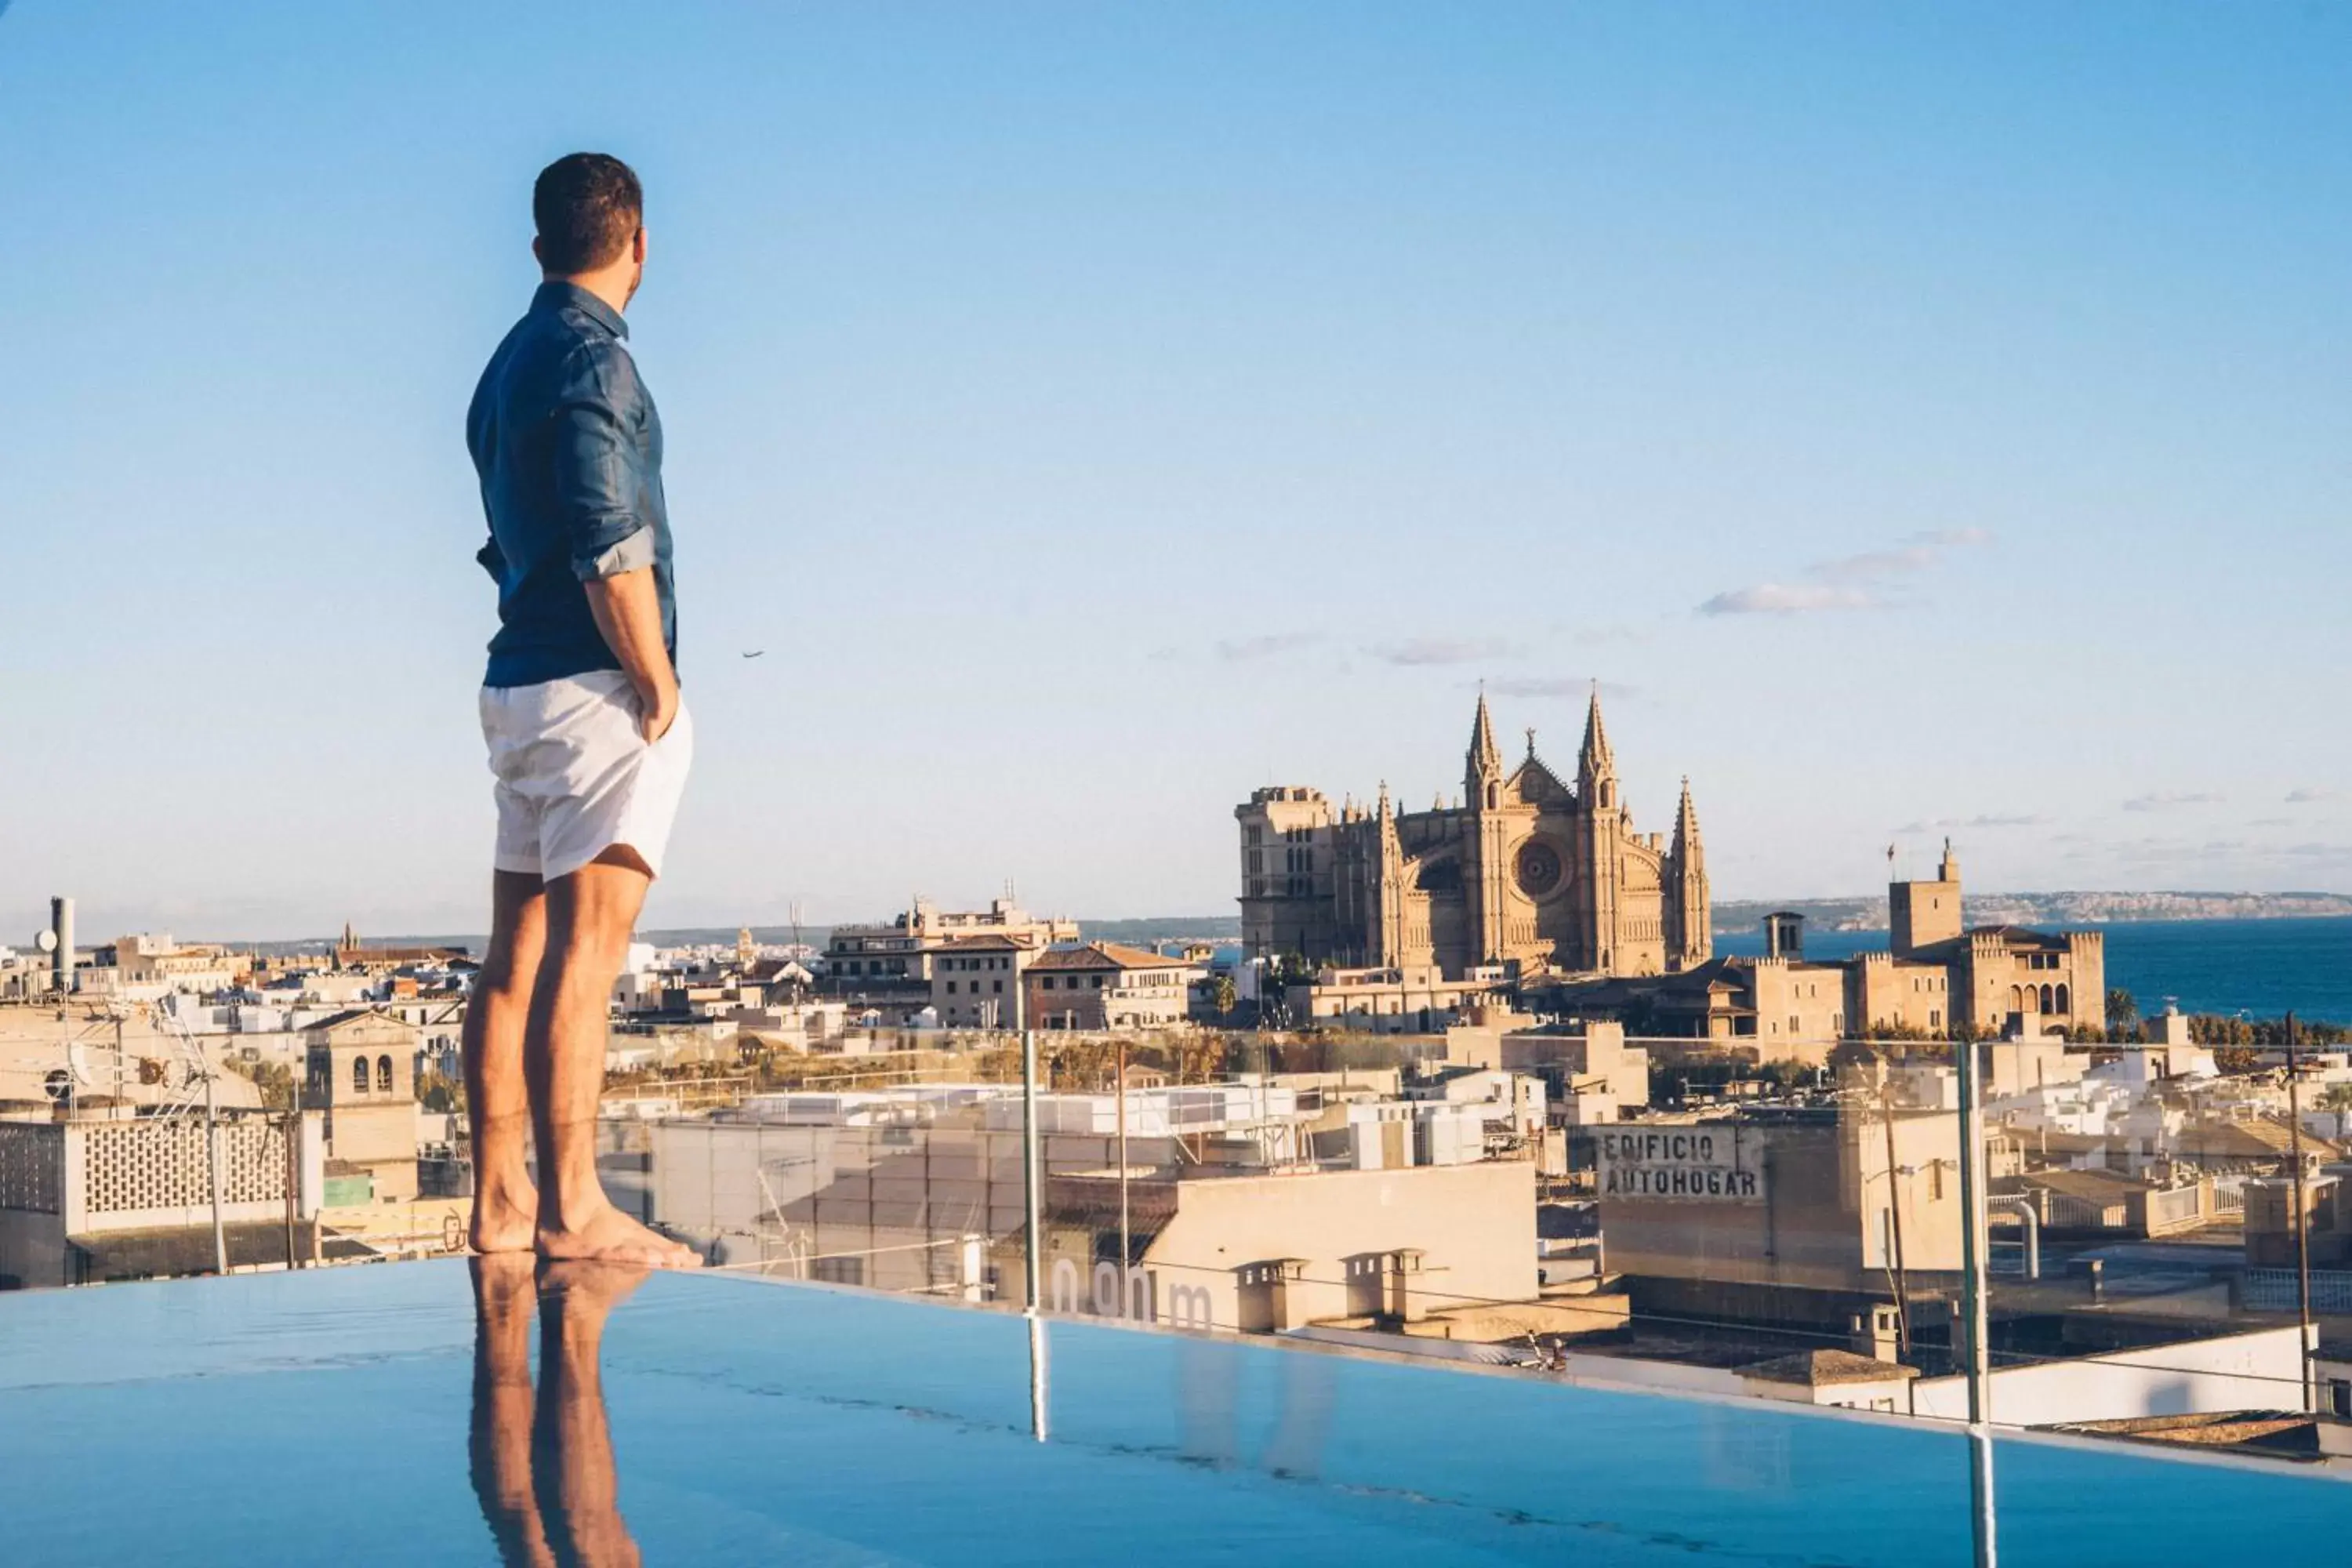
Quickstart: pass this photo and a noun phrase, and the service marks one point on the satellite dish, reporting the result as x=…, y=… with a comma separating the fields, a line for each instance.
x=46, y=940
x=78, y=1060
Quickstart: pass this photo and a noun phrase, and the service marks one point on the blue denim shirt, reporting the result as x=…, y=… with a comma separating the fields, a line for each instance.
x=569, y=449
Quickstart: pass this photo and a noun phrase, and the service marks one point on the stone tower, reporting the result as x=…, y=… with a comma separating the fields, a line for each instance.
x=1389, y=915
x=1602, y=827
x=1920, y=914
x=1486, y=867
x=1690, y=925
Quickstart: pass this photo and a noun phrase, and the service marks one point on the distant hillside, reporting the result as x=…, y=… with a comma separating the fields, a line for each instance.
x=1134, y=932
x=1731, y=915
x=1167, y=928
x=2070, y=908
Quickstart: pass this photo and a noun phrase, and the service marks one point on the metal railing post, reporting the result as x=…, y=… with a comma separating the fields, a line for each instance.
x=1031, y=1199
x=212, y=1171
x=1975, y=1336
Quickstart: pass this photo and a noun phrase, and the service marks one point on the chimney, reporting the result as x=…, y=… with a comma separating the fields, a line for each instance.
x=61, y=926
x=1877, y=1332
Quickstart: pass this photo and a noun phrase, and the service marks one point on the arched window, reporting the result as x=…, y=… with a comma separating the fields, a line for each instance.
x=2016, y=999
x=2063, y=1000
x=359, y=1075
x=2046, y=1000
x=383, y=1074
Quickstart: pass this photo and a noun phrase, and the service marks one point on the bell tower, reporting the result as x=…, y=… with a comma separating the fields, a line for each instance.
x=1690, y=919
x=1601, y=829
x=1919, y=914
x=1482, y=764
x=1485, y=871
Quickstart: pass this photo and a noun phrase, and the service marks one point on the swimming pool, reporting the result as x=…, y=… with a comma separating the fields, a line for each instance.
x=395, y=1414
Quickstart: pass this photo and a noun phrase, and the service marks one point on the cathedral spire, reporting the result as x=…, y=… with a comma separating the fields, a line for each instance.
x=1485, y=759
x=1596, y=767
x=1690, y=920
x=1687, y=840
x=1597, y=758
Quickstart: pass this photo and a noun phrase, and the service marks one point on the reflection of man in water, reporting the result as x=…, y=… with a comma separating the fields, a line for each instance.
x=1208, y=1404
x=542, y=1462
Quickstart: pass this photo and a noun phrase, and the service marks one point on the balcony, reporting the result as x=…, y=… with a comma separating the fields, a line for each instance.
x=385, y=1415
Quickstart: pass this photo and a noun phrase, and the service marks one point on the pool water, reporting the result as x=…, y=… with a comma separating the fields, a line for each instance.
x=380, y=1415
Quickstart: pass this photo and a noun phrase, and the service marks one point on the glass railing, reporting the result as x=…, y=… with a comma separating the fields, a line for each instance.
x=1789, y=1221
x=2156, y=1253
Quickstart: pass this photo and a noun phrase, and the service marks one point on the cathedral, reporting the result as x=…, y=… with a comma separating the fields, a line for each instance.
x=1525, y=869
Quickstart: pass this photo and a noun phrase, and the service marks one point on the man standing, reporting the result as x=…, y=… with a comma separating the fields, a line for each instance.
x=588, y=739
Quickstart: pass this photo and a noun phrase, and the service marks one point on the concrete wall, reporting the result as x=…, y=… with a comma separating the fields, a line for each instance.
x=1474, y=1226
x=1819, y=1221
x=1883, y=990
x=1796, y=1001
x=2258, y=1371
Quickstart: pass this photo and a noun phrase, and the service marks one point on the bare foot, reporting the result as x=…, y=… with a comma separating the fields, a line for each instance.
x=611, y=1236
x=585, y=1291
x=503, y=1221
x=503, y=1281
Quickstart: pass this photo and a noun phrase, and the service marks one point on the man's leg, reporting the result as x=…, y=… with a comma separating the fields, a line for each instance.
x=498, y=1104
x=590, y=916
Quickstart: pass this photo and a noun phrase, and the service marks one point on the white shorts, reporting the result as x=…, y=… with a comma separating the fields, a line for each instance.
x=576, y=775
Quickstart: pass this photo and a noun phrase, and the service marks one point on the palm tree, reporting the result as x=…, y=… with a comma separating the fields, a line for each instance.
x=2122, y=1012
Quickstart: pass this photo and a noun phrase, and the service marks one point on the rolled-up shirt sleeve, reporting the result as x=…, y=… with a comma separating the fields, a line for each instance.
x=599, y=483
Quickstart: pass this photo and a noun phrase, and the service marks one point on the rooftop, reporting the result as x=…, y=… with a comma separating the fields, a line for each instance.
x=378, y=1414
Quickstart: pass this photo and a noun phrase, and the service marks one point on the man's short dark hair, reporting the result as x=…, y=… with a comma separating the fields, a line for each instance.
x=588, y=206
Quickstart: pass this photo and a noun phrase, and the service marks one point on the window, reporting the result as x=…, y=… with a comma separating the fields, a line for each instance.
x=2063, y=1000
x=1097, y=981
x=359, y=1075
x=383, y=1074
x=997, y=986
x=951, y=987
x=2339, y=1397
x=838, y=1270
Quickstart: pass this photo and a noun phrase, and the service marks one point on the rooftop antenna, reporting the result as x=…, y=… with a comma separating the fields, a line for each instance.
x=793, y=913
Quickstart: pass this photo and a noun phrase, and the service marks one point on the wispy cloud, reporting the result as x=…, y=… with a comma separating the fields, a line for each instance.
x=2172, y=801
x=1440, y=650
x=1916, y=553
x=1787, y=599
x=1608, y=632
x=1271, y=645
x=2310, y=796
x=1555, y=686
x=1854, y=581
x=1974, y=823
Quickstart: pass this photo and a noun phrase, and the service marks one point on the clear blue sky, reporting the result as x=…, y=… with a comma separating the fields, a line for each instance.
x=1913, y=414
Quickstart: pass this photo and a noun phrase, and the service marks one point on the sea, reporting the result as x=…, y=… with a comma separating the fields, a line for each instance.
x=2266, y=968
